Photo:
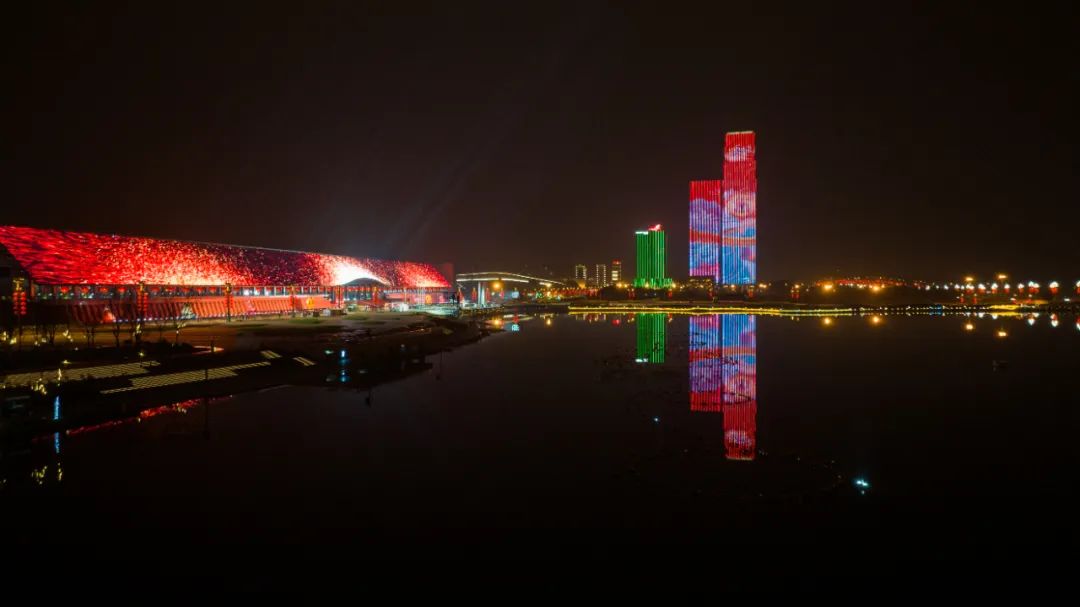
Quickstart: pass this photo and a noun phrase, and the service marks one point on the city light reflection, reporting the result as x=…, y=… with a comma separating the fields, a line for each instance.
x=723, y=377
x=651, y=337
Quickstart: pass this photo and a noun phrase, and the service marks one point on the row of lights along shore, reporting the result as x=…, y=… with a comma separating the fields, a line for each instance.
x=969, y=325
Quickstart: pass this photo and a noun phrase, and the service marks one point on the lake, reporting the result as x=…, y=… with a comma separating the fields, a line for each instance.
x=588, y=435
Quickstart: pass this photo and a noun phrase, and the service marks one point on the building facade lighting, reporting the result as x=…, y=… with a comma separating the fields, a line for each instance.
x=651, y=259
x=74, y=258
x=706, y=229
x=739, y=221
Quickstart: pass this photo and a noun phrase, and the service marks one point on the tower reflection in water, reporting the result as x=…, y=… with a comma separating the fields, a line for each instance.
x=723, y=376
x=651, y=337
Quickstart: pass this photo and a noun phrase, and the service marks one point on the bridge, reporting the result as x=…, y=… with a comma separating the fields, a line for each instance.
x=486, y=288
x=511, y=277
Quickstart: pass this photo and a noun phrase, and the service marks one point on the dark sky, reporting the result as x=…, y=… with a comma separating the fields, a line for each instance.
x=904, y=140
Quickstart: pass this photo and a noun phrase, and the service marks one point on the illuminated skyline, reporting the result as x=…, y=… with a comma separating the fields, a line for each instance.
x=182, y=129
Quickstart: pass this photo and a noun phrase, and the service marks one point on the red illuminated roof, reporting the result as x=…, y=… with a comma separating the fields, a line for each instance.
x=58, y=257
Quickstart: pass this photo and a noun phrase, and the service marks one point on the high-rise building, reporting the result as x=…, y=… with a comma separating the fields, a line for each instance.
x=616, y=271
x=581, y=274
x=601, y=276
x=739, y=223
x=651, y=259
x=706, y=214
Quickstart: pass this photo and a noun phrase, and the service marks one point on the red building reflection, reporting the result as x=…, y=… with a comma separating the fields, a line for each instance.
x=723, y=377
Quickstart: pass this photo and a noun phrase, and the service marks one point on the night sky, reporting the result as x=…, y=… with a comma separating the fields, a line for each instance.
x=902, y=140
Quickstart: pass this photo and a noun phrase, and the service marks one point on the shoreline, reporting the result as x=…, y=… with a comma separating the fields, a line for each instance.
x=812, y=309
x=351, y=359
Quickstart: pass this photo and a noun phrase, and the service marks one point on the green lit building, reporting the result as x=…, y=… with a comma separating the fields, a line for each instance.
x=651, y=337
x=651, y=259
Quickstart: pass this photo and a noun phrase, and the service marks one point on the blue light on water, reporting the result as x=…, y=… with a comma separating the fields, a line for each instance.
x=862, y=484
x=656, y=420
x=56, y=408
x=343, y=354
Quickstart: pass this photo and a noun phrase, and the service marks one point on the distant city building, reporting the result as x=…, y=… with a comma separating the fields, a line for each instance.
x=601, y=279
x=739, y=242
x=581, y=273
x=616, y=271
x=651, y=259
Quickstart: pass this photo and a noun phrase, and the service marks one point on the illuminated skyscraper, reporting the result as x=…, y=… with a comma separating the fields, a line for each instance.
x=601, y=276
x=739, y=223
x=706, y=215
x=651, y=259
x=651, y=337
x=616, y=271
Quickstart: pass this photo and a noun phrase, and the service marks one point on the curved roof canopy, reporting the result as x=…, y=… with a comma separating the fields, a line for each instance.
x=59, y=257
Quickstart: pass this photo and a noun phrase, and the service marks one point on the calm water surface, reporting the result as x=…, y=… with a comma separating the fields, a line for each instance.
x=590, y=435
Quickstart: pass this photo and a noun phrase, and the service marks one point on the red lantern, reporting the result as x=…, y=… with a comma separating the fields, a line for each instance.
x=19, y=303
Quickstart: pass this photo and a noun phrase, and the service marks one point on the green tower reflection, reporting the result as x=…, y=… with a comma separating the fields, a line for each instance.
x=651, y=337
